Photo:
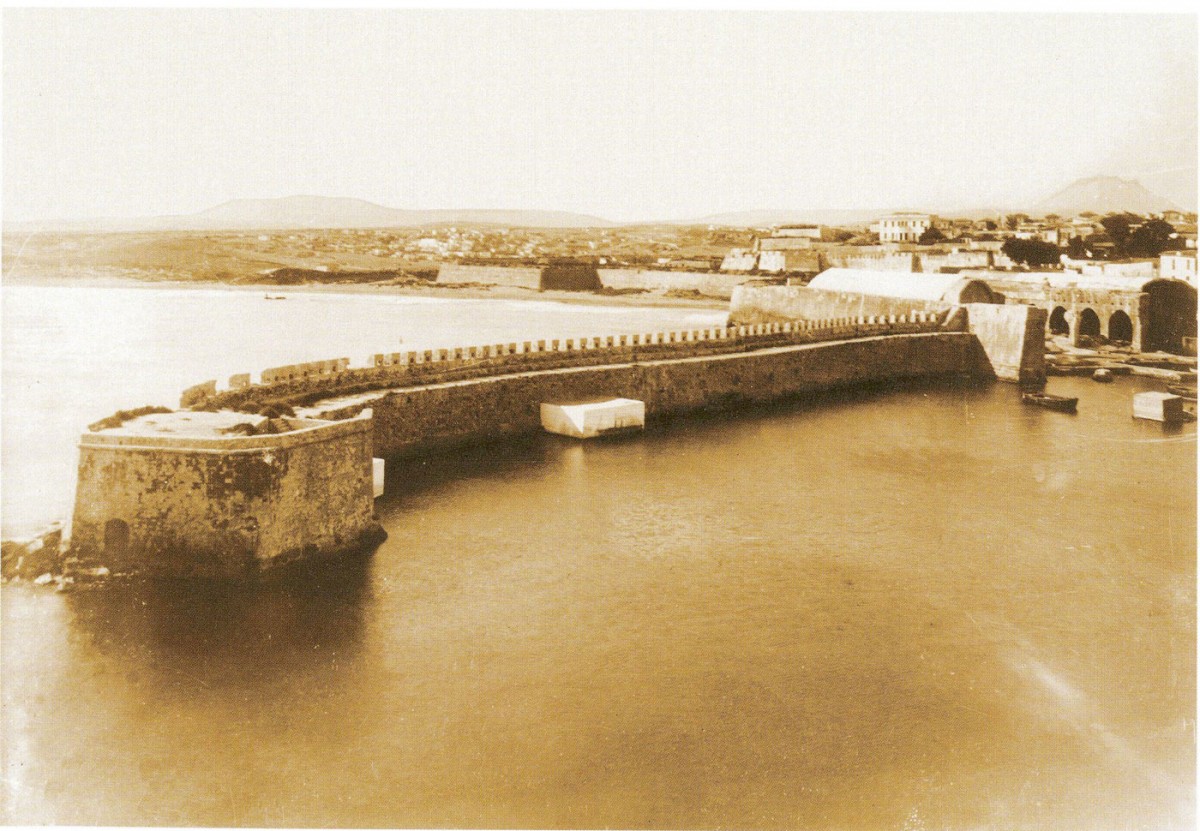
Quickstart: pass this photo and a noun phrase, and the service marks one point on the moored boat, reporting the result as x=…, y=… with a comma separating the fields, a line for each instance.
x=1184, y=391
x=1058, y=403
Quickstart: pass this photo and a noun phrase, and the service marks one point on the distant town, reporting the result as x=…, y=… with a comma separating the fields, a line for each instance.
x=1113, y=244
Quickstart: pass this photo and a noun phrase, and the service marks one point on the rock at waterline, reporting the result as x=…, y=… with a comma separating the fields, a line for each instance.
x=31, y=558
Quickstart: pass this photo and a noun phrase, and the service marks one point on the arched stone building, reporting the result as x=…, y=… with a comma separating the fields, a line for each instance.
x=1148, y=314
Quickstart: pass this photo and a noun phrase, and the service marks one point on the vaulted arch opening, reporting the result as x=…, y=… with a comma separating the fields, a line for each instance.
x=1058, y=322
x=116, y=540
x=1120, y=327
x=1089, y=324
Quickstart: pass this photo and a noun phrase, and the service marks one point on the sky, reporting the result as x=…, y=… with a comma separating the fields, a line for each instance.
x=624, y=115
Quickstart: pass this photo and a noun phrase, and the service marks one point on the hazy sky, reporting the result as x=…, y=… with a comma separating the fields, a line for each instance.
x=627, y=115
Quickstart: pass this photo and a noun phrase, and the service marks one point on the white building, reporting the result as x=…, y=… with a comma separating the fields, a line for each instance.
x=772, y=262
x=1178, y=265
x=903, y=227
x=933, y=288
x=1132, y=269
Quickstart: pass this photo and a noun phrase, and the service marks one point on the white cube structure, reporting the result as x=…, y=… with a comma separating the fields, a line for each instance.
x=1157, y=406
x=588, y=419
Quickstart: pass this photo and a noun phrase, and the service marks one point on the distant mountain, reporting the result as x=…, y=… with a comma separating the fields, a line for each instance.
x=1100, y=194
x=1103, y=195
x=322, y=212
x=290, y=212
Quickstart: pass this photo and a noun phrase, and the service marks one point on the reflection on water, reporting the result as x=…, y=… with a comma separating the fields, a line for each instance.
x=923, y=608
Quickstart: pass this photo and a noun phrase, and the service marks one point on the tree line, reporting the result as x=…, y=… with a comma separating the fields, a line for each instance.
x=1124, y=236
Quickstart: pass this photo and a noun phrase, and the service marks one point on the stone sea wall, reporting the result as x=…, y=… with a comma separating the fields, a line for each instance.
x=525, y=277
x=765, y=304
x=303, y=383
x=431, y=417
x=710, y=284
x=227, y=507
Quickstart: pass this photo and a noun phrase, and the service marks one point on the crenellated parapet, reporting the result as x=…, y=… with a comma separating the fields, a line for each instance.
x=302, y=383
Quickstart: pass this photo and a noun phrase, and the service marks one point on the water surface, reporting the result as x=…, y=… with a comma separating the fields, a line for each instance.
x=74, y=355
x=930, y=607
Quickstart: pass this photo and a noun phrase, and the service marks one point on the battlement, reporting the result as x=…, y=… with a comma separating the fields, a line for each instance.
x=330, y=378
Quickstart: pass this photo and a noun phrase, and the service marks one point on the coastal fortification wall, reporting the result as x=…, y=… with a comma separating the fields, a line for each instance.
x=764, y=304
x=285, y=386
x=1013, y=337
x=213, y=493
x=497, y=275
x=223, y=506
x=431, y=417
x=873, y=260
x=711, y=284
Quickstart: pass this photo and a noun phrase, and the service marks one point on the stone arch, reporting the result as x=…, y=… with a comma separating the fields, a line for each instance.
x=1120, y=327
x=1057, y=322
x=1089, y=324
x=116, y=540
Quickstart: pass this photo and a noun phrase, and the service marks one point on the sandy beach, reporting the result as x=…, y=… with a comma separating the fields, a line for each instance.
x=103, y=279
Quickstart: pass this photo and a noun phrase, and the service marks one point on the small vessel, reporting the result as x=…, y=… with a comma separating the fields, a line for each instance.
x=1185, y=391
x=274, y=297
x=1051, y=402
x=1104, y=376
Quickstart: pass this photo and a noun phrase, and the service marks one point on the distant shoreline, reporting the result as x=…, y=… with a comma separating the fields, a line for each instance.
x=468, y=292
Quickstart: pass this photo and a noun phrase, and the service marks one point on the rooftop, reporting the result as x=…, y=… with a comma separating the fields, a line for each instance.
x=205, y=425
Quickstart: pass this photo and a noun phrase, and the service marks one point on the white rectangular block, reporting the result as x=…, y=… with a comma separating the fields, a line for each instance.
x=1157, y=406
x=588, y=419
x=377, y=468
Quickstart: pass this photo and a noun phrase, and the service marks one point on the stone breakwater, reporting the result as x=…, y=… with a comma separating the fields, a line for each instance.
x=432, y=417
x=429, y=400
x=303, y=384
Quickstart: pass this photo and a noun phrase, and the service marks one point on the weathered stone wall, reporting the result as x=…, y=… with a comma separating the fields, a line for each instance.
x=933, y=263
x=520, y=276
x=707, y=283
x=417, y=368
x=763, y=304
x=421, y=419
x=739, y=259
x=1013, y=337
x=223, y=507
x=570, y=276
x=873, y=260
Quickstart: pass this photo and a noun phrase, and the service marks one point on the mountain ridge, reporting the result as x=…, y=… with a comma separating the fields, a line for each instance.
x=1100, y=194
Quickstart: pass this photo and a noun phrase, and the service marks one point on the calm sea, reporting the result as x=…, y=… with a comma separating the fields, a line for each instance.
x=72, y=356
x=926, y=607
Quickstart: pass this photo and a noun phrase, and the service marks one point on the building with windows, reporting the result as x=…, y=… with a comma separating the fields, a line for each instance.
x=1178, y=265
x=903, y=227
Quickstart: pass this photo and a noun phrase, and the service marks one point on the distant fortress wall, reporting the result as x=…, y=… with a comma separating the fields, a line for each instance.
x=767, y=304
x=706, y=283
x=524, y=277
x=585, y=277
x=874, y=260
